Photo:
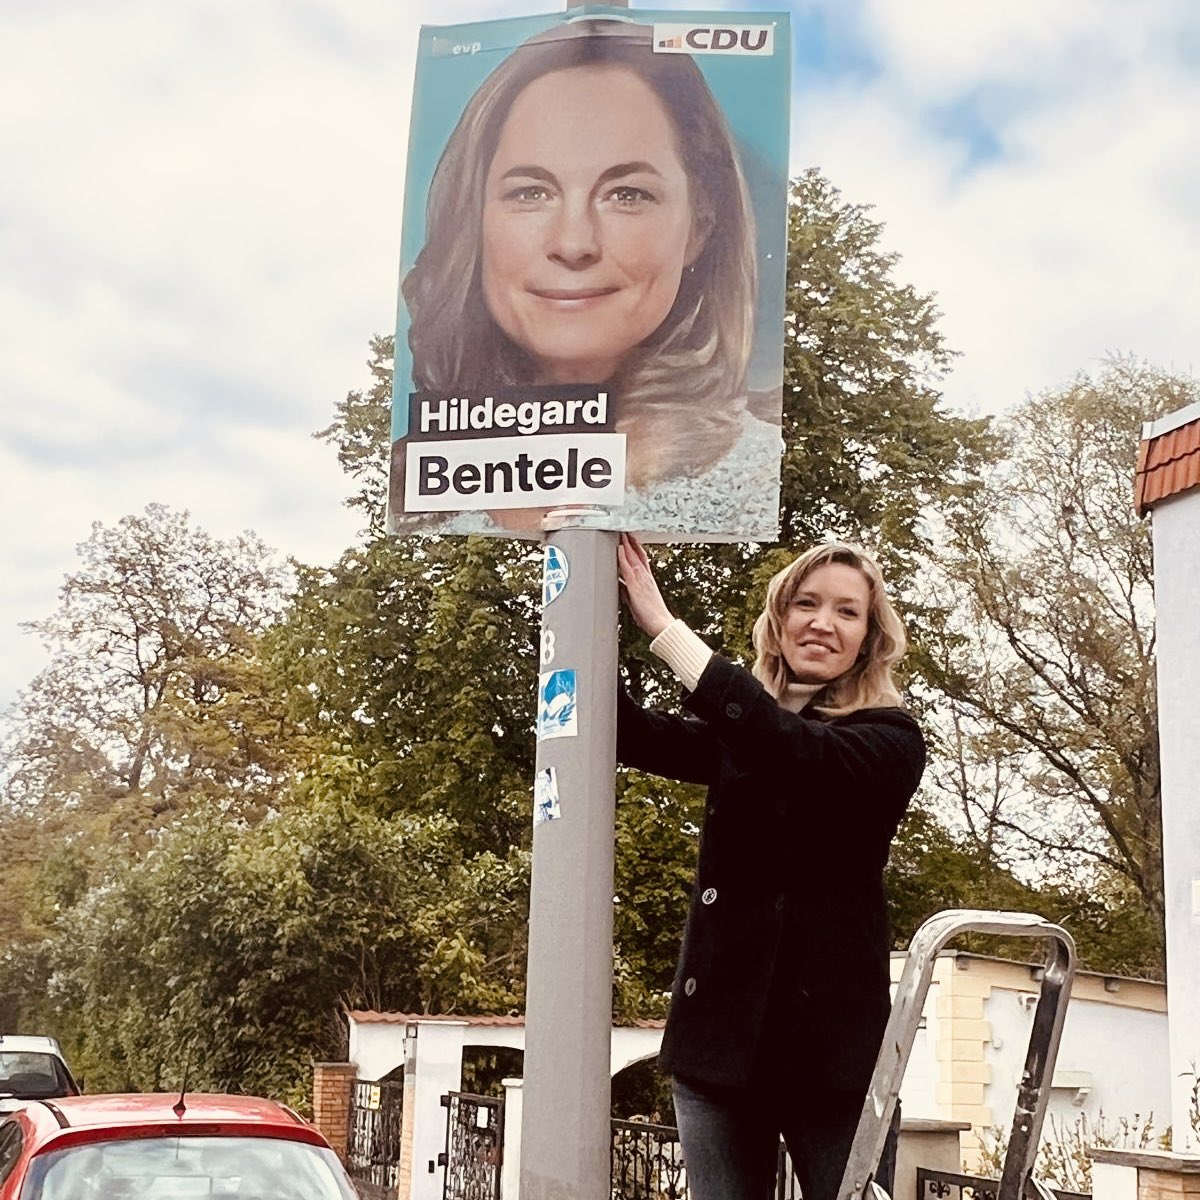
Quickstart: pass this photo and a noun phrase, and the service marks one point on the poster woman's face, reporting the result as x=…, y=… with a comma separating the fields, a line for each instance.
x=587, y=221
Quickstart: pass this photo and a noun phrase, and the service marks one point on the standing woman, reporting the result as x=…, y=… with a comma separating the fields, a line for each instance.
x=781, y=992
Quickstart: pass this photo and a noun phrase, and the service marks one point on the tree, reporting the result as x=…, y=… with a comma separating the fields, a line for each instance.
x=154, y=688
x=232, y=947
x=870, y=450
x=1047, y=658
x=155, y=698
x=361, y=433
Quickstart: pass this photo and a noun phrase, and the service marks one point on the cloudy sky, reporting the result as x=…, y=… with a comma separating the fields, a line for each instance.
x=199, y=229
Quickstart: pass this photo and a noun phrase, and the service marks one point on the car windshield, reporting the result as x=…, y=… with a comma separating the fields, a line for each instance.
x=30, y=1075
x=172, y=1168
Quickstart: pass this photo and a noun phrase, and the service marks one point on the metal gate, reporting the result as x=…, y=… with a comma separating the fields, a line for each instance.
x=474, y=1146
x=373, y=1144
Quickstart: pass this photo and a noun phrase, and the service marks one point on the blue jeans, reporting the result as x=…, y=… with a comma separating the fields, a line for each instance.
x=730, y=1139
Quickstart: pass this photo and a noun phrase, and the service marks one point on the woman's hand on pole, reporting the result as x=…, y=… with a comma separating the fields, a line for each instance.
x=641, y=591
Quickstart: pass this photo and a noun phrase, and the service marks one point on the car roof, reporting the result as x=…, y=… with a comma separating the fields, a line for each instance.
x=70, y=1120
x=28, y=1043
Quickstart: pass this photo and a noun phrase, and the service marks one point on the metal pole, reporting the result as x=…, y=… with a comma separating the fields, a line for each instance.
x=565, y=1127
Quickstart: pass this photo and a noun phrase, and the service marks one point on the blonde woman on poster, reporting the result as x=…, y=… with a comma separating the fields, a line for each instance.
x=588, y=223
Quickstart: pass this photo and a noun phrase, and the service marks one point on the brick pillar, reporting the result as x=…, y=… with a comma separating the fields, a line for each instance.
x=404, y=1179
x=332, y=1084
x=1144, y=1174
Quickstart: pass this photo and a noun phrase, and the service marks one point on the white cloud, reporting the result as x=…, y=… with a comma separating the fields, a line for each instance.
x=1070, y=236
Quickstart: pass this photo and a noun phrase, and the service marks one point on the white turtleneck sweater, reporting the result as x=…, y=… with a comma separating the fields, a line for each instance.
x=687, y=655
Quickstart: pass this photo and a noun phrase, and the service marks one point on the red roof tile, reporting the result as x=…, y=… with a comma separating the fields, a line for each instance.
x=370, y=1016
x=1167, y=465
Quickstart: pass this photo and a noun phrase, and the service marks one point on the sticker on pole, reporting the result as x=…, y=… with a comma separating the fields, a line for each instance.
x=557, y=715
x=554, y=574
x=545, y=797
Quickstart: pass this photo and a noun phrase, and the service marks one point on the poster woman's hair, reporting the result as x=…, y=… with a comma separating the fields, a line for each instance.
x=869, y=683
x=689, y=376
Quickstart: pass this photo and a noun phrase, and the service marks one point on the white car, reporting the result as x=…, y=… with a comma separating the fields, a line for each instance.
x=32, y=1068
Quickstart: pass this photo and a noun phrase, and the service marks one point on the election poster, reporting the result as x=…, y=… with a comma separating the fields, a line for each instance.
x=592, y=276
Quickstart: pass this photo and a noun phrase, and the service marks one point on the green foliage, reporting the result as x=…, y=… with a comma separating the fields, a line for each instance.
x=154, y=692
x=229, y=947
x=657, y=840
x=869, y=447
x=155, y=699
x=361, y=431
x=418, y=657
x=932, y=869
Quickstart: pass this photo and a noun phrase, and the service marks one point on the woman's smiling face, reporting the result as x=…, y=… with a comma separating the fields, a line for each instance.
x=826, y=623
x=587, y=221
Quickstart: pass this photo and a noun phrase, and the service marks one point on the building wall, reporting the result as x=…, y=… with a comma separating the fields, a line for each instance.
x=965, y=1064
x=1112, y=1059
x=431, y=1052
x=1177, y=600
x=918, y=1092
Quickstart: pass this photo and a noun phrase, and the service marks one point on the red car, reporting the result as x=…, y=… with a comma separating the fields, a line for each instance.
x=164, y=1147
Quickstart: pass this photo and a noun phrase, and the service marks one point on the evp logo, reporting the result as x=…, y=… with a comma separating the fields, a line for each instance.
x=714, y=39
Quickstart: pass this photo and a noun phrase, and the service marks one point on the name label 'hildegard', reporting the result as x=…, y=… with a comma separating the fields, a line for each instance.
x=465, y=416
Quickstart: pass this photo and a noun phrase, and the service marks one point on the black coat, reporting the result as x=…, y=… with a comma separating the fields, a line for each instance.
x=784, y=965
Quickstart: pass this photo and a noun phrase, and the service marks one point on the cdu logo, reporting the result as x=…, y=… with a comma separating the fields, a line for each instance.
x=714, y=39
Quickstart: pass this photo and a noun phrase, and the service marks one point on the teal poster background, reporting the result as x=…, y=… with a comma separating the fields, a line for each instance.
x=753, y=93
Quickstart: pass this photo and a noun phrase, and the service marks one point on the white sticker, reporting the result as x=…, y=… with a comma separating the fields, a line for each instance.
x=557, y=714
x=555, y=571
x=545, y=796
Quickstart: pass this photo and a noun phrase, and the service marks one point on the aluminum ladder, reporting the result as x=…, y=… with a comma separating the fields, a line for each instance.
x=1016, y=1181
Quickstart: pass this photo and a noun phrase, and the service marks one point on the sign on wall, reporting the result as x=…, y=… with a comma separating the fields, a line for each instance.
x=592, y=275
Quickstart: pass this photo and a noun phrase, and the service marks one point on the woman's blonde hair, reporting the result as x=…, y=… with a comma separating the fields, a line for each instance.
x=869, y=682
x=693, y=367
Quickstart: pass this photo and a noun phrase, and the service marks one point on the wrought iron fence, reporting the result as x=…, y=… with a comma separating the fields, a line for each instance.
x=373, y=1144
x=474, y=1146
x=647, y=1164
x=940, y=1185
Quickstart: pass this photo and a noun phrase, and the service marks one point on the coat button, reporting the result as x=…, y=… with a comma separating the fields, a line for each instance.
x=733, y=711
x=689, y=986
x=710, y=894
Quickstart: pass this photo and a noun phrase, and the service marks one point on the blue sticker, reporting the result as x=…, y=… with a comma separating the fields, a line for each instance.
x=545, y=796
x=557, y=714
x=554, y=574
